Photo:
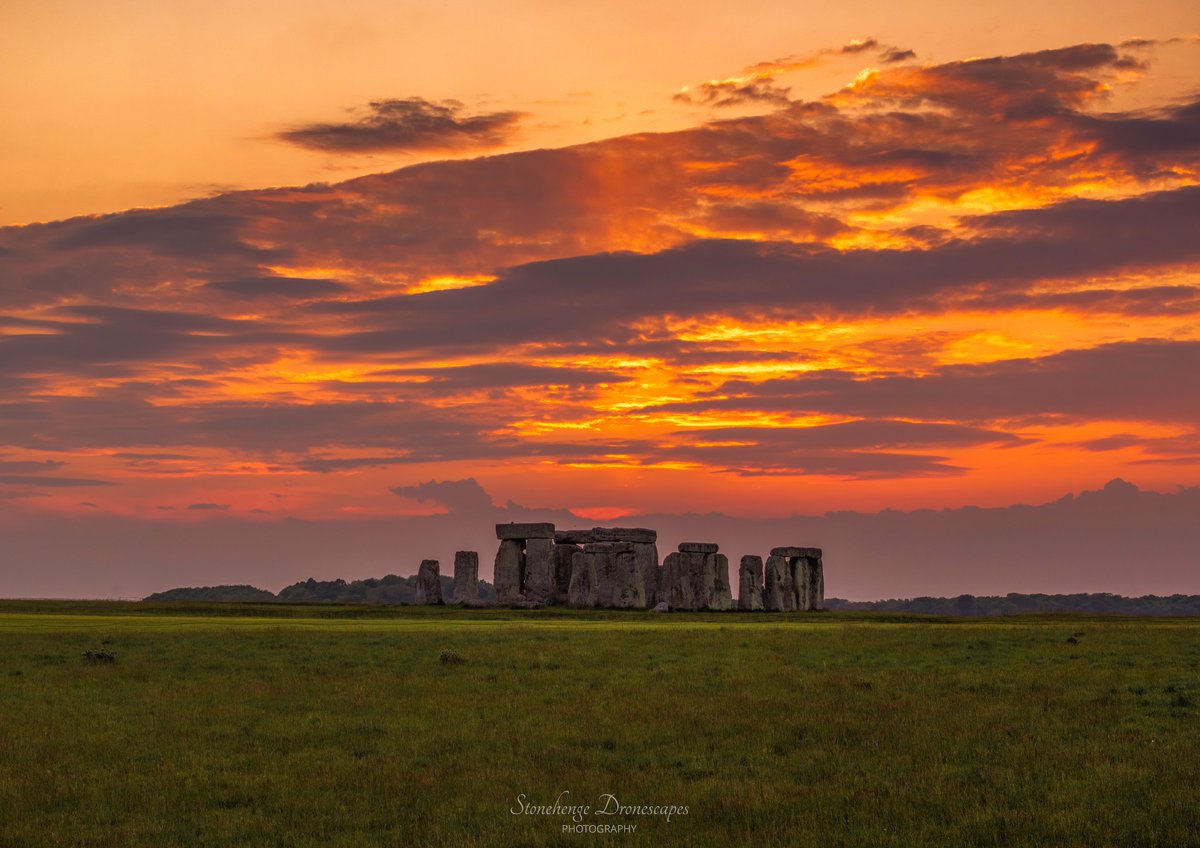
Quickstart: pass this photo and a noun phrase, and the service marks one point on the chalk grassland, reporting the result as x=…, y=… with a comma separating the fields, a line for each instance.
x=228, y=725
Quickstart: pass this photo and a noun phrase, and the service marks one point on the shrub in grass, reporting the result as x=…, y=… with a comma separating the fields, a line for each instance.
x=99, y=656
x=449, y=656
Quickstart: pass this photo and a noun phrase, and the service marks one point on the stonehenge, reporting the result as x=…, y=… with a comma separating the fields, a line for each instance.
x=618, y=568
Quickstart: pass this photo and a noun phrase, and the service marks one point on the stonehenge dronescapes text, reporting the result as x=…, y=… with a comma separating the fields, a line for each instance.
x=618, y=567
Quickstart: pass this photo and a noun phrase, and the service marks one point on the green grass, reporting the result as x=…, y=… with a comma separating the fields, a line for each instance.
x=232, y=725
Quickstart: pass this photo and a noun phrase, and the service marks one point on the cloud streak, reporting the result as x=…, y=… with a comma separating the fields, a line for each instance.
x=406, y=124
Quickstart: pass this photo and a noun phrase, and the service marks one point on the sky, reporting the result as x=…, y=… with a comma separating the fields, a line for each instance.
x=274, y=265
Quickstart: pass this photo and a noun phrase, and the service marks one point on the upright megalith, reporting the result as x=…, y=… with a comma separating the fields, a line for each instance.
x=540, y=586
x=801, y=579
x=466, y=577
x=750, y=583
x=429, y=583
x=604, y=565
x=719, y=596
x=779, y=593
x=645, y=555
x=582, y=591
x=563, y=555
x=629, y=589
x=510, y=561
x=674, y=586
x=525, y=564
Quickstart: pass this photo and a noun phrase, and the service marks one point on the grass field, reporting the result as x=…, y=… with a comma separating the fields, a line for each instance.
x=232, y=725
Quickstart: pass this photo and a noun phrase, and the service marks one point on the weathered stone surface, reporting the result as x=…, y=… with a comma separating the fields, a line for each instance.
x=624, y=534
x=466, y=577
x=429, y=584
x=698, y=548
x=810, y=583
x=790, y=552
x=661, y=606
x=582, y=591
x=524, y=531
x=609, y=547
x=750, y=583
x=816, y=576
x=540, y=586
x=573, y=537
x=699, y=569
x=646, y=557
x=719, y=597
x=510, y=562
x=779, y=594
x=628, y=589
x=674, y=587
x=562, y=569
x=604, y=560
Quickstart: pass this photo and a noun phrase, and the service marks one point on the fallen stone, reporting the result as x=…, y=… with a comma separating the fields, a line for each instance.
x=698, y=548
x=661, y=606
x=524, y=531
x=540, y=586
x=466, y=577
x=429, y=584
x=582, y=591
x=750, y=580
x=507, y=576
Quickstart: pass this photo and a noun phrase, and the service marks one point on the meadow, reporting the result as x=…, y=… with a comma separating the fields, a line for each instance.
x=294, y=725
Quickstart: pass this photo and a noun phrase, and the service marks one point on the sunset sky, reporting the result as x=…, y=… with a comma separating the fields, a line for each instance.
x=278, y=261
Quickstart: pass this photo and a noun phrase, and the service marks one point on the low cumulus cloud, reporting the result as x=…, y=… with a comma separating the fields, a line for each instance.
x=458, y=496
x=411, y=123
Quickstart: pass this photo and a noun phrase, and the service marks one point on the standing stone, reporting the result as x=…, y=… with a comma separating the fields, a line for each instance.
x=701, y=575
x=509, y=560
x=604, y=562
x=645, y=554
x=429, y=582
x=719, y=597
x=466, y=577
x=629, y=591
x=540, y=584
x=674, y=587
x=780, y=593
x=750, y=578
x=563, y=554
x=810, y=583
x=582, y=589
